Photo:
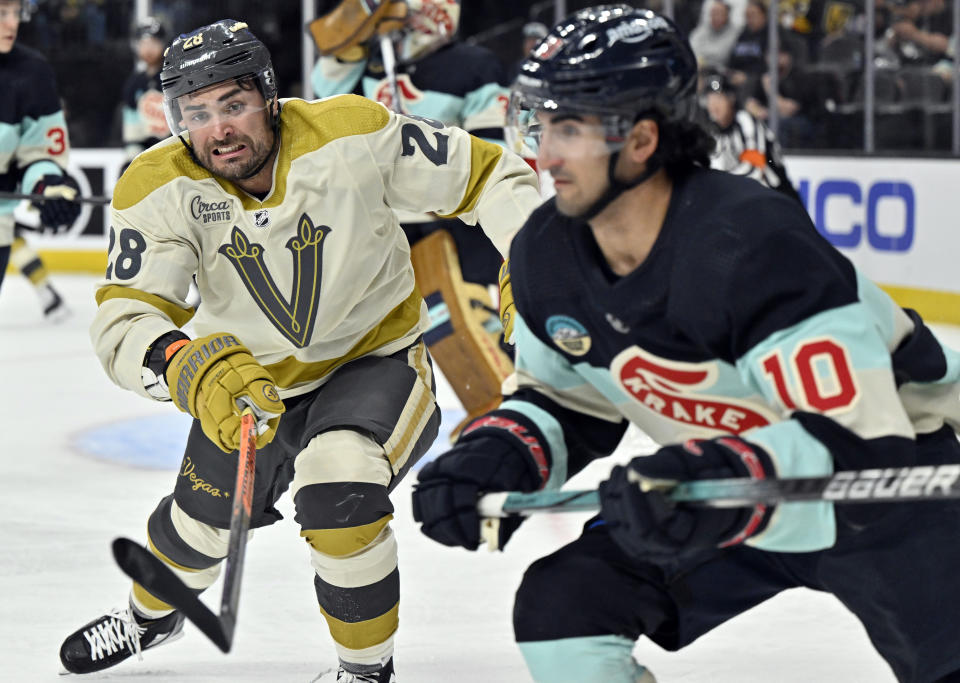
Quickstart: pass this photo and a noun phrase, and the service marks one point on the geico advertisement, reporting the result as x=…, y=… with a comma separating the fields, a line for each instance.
x=891, y=217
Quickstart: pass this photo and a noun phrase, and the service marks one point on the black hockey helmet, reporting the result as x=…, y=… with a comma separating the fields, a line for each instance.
x=718, y=83
x=222, y=51
x=616, y=60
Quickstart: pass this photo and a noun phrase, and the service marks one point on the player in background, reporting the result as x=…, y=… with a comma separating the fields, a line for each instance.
x=34, y=147
x=745, y=146
x=282, y=211
x=439, y=77
x=144, y=124
x=705, y=309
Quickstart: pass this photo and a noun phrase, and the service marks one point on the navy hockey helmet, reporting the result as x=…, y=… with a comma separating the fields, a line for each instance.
x=222, y=51
x=613, y=61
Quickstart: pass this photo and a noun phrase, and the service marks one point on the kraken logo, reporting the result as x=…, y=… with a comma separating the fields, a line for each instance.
x=296, y=315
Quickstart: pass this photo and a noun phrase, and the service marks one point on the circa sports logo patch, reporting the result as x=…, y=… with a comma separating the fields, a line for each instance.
x=568, y=334
x=210, y=211
x=678, y=391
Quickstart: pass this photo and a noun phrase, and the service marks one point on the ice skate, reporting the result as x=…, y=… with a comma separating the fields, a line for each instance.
x=114, y=637
x=55, y=310
x=357, y=673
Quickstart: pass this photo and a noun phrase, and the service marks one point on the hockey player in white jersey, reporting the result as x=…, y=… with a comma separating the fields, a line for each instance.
x=282, y=210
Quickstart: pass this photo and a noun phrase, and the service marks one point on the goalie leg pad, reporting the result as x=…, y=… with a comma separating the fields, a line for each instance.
x=467, y=354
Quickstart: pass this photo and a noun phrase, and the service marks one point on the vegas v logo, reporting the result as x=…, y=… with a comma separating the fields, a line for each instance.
x=296, y=315
x=674, y=390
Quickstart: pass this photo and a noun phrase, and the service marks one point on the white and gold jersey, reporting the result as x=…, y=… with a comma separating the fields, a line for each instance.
x=318, y=272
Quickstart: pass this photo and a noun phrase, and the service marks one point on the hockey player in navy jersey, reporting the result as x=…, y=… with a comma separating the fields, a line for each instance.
x=705, y=309
x=34, y=147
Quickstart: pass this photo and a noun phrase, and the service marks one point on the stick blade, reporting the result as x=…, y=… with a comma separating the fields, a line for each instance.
x=149, y=571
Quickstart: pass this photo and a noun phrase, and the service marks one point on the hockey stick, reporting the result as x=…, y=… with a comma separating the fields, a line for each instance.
x=893, y=484
x=157, y=579
x=390, y=69
x=102, y=201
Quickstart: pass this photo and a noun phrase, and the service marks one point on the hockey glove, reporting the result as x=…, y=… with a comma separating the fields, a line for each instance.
x=502, y=451
x=60, y=210
x=508, y=309
x=206, y=376
x=648, y=523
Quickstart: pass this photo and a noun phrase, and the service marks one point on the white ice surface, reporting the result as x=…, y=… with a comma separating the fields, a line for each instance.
x=60, y=509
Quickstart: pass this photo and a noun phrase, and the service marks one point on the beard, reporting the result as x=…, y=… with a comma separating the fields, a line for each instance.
x=237, y=168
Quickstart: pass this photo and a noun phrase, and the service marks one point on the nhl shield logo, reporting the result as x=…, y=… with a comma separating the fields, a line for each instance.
x=261, y=218
x=568, y=334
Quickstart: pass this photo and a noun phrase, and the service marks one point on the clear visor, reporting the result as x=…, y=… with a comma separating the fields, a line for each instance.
x=537, y=125
x=211, y=110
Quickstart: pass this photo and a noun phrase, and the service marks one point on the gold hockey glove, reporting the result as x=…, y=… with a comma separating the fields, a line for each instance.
x=508, y=309
x=206, y=376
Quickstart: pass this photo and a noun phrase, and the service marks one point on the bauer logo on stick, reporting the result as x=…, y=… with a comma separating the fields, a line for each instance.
x=893, y=482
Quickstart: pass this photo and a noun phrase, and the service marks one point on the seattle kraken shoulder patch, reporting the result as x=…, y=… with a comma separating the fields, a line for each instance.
x=569, y=334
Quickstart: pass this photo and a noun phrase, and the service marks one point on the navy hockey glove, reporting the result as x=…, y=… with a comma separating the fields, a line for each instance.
x=648, y=523
x=502, y=451
x=59, y=211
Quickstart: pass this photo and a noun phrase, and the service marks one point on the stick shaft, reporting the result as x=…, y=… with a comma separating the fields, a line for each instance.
x=390, y=69
x=41, y=198
x=892, y=484
x=239, y=522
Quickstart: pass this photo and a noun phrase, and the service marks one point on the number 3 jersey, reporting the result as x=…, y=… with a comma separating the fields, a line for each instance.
x=318, y=272
x=742, y=320
x=33, y=133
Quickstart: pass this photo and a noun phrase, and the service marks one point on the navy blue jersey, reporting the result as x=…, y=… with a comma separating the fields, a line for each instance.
x=742, y=320
x=33, y=133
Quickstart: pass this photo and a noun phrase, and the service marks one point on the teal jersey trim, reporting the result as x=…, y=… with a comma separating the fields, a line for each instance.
x=326, y=87
x=9, y=139
x=484, y=98
x=796, y=527
x=880, y=306
x=36, y=171
x=34, y=131
x=131, y=117
x=590, y=659
x=553, y=433
x=543, y=363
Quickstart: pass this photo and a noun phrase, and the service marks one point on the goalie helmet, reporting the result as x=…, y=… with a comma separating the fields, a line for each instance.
x=222, y=51
x=430, y=25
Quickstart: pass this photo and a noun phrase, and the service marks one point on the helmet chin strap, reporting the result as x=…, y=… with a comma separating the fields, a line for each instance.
x=616, y=188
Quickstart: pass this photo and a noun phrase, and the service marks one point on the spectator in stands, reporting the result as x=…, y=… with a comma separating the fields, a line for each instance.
x=920, y=33
x=749, y=53
x=144, y=123
x=745, y=146
x=796, y=100
x=712, y=41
